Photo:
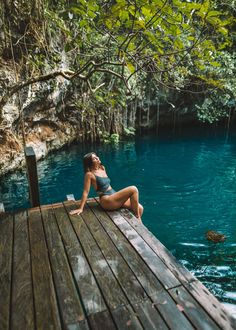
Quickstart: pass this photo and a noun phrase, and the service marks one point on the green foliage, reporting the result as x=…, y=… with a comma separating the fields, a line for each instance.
x=129, y=132
x=113, y=138
x=150, y=36
x=128, y=42
x=222, y=98
x=210, y=110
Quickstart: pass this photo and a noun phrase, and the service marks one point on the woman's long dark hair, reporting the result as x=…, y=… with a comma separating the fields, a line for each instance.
x=88, y=161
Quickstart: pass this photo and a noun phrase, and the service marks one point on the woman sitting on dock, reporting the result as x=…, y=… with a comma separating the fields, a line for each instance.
x=95, y=175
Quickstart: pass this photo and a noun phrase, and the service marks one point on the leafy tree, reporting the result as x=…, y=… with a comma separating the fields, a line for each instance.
x=116, y=40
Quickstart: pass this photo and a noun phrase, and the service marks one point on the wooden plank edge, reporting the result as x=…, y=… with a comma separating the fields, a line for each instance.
x=188, y=280
x=6, y=263
x=164, y=254
x=81, y=322
x=42, y=274
x=150, y=258
x=126, y=316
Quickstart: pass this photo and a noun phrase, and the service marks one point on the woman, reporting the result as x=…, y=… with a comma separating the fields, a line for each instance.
x=95, y=175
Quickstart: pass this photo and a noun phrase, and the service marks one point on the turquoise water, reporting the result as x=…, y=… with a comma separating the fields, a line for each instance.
x=187, y=184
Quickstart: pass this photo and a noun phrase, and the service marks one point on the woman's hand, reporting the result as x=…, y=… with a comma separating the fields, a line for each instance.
x=76, y=212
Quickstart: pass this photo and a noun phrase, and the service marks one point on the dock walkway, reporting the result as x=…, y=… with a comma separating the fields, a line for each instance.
x=99, y=270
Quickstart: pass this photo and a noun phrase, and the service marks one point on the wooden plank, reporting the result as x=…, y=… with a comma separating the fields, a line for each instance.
x=91, y=296
x=151, y=319
x=170, y=312
x=71, y=309
x=182, y=273
x=212, y=306
x=159, y=268
x=22, y=310
x=144, y=275
x=47, y=315
x=176, y=314
x=127, y=279
x=164, y=275
x=6, y=245
x=141, y=311
x=191, y=283
x=192, y=309
x=121, y=314
x=126, y=318
x=124, y=275
x=119, y=241
x=103, y=274
x=147, y=314
x=101, y=321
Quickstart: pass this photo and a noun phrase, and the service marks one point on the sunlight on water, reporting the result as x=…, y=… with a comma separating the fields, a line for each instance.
x=187, y=185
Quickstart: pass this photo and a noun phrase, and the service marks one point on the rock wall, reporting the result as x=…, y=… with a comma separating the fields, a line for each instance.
x=51, y=121
x=43, y=138
x=48, y=118
x=51, y=118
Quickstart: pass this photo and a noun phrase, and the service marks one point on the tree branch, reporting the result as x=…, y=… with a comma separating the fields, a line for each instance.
x=95, y=89
x=67, y=74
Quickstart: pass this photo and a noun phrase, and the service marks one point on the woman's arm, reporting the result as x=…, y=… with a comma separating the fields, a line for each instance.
x=87, y=184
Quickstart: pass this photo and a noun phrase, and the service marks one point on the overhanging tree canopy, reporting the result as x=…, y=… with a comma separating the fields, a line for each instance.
x=127, y=39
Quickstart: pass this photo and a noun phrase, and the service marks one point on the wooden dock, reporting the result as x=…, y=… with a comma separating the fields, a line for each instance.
x=100, y=270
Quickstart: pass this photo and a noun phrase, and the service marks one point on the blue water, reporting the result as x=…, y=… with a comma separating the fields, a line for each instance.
x=187, y=184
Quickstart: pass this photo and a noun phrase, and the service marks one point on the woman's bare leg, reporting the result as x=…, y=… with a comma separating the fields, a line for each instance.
x=128, y=205
x=118, y=199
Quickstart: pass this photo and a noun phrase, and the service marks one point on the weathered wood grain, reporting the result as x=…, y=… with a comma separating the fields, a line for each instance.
x=183, y=275
x=6, y=245
x=170, y=312
x=126, y=318
x=124, y=275
x=212, y=306
x=199, y=292
x=46, y=309
x=92, y=298
x=101, y=321
x=22, y=308
x=71, y=310
x=192, y=309
x=149, y=316
x=156, y=295
x=163, y=273
x=104, y=276
x=112, y=292
x=99, y=270
x=132, y=246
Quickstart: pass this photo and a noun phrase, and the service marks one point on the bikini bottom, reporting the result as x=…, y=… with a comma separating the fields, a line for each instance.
x=106, y=193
